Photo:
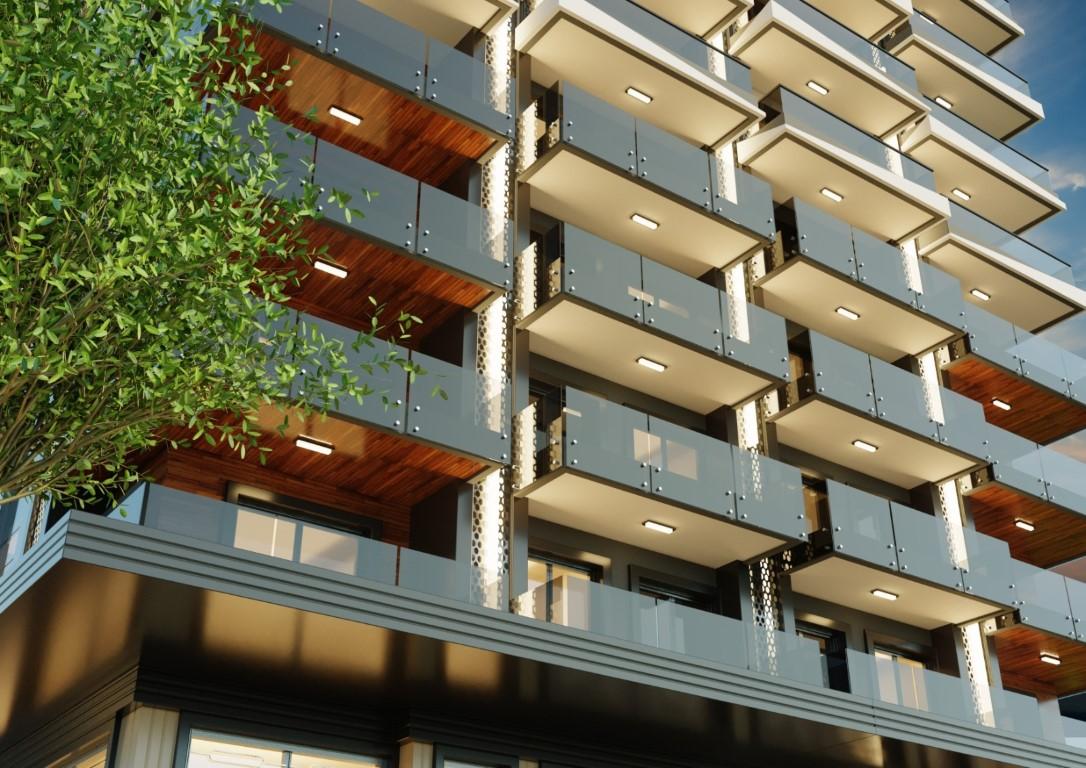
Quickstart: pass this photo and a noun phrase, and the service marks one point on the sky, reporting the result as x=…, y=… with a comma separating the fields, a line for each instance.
x=1054, y=63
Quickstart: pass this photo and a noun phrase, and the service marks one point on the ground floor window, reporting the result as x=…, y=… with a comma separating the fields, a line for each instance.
x=216, y=750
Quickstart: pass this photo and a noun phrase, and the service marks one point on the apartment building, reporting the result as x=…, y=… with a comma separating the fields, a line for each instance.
x=745, y=459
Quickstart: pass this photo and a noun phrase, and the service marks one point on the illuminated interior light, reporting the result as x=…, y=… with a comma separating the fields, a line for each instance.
x=1050, y=658
x=651, y=364
x=836, y=197
x=818, y=88
x=1002, y=405
x=1025, y=525
x=944, y=103
x=652, y=525
x=847, y=313
x=332, y=269
x=961, y=194
x=345, y=116
x=982, y=295
x=883, y=594
x=863, y=445
x=641, y=96
x=313, y=444
x=644, y=221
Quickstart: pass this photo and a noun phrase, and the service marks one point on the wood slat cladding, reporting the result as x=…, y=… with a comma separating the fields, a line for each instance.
x=1036, y=413
x=1060, y=534
x=200, y=472
x=1019, y=649
x=387, y=468
x=398, y=131
x=400, y=282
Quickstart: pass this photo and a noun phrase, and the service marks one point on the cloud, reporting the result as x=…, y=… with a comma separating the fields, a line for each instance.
x=1067, y=178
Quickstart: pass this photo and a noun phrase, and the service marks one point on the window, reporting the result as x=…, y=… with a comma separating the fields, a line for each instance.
x=701, y=599
x=214, y=750
x=832, y=649
x=901, y=678
x=544, y=568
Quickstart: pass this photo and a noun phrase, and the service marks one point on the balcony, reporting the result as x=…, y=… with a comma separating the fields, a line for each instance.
x=791, y=43
x=1042, y=648
x=450, y=22
x=1026, y=383
x=867, y=546
x=702, y=18
x=606, y=47
x=863, y=413
x=349, y=55
x=603, y=468
x=1022, y=283
x=601, y=308
x=600, y=169
x=987, y=25
x=995, y=180
x=1033, y=498
x=871, y=19
x=820, y=264
x=454, y=236
x=980, y=89
x=807, y=153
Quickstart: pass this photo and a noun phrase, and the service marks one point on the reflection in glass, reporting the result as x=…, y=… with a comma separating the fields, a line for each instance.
x=212, y=750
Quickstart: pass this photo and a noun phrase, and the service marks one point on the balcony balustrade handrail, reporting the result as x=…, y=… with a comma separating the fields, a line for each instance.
x=973, y=226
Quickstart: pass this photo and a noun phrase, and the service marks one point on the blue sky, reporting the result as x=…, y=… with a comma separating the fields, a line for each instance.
x=1054, y=63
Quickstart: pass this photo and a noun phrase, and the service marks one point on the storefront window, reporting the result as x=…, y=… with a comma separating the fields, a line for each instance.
x=214, y=750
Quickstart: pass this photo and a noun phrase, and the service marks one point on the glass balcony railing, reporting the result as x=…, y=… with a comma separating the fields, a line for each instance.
x=297, y=542
x=1024, y=354
x=871, y=386
x=642, y=453
x=1035, y=470
x=794, y=110
x=1074, y=732
x=707, y=58
x=664, y=300
x=924, y=28
x=396, y=54
x=642, y=150
x=470, y=413
x=969, y=226
x=867, y=52
x=627, y=616
x=452, y=232
x=887, y=535
x=1005, y=153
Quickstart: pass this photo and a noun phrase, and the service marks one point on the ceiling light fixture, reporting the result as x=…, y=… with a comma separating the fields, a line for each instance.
x=834, y=196
x=344, y=115
x=818, y=88
x=313, y=444
x=847, y=313
x=1050, y=658
x=332, y=269
x=961, y=194
x=882, y=594
x=641, y=96
x=1025, y=525
x=944, y=103
x=651, y=364
x=652, y=525
x=1002, y=405
x=977, y=293
x=863, y=445
x=644, y=221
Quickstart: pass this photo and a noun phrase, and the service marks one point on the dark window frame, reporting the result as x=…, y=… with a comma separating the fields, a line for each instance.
x=264, y=500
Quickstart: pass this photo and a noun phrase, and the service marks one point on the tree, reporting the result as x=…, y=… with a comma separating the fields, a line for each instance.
x=145, y=263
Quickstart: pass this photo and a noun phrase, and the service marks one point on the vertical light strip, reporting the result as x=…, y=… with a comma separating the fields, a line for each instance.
x=953, y=523
x=527, y=136
x=735, y=283
x=911, y=262
x=977, y=664
x=725, y=173
x=524, y=433
x=929, y=374
x=718, y=64
x=894, y=162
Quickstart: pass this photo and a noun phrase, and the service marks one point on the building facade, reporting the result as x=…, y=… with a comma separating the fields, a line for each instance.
x=745, y=455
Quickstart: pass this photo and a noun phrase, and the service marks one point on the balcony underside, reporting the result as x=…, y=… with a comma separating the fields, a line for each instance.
x=1019, y=649
x=572, y=188
x=998, y=192
x=995, y=107
x=400, y=131
x=699, y=17
x=403, y=282
x=1018, y=293
x=977, y=22
x=586, y=338
x=823, y=429
x=1059, y=535
x=446, y=21
x=785, y=50
x=841, y=581
x=810, y=295
x=1037, y=413
x=870, y=18
x=573, y=41
x=322, y=642
x=798, y=164
x=587, y=504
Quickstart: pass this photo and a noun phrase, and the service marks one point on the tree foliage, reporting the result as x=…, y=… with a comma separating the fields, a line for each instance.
x=144, y=262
